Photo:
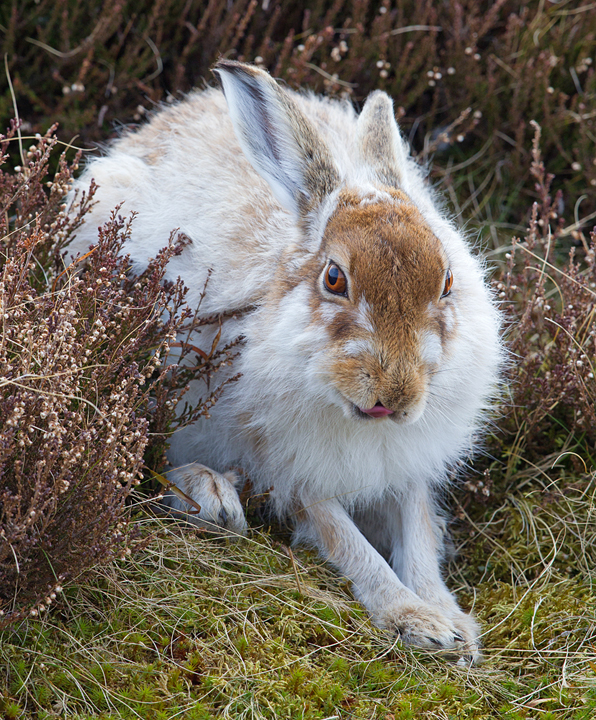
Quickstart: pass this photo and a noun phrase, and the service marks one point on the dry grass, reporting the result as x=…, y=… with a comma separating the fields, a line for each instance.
x=197, y=627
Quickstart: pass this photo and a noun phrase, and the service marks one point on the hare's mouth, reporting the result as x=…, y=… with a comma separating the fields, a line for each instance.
x=377, y=411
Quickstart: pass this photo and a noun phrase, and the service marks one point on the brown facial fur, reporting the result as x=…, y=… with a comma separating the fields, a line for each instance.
x=395, y=263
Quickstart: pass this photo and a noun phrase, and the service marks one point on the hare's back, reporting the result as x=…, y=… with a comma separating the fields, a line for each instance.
x=185, y=170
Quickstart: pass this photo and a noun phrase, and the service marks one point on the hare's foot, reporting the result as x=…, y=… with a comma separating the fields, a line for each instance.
x=215, y=494
x=427, y=626
x=439, y=598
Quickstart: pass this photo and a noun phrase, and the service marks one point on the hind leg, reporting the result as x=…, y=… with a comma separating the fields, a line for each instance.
x=215, y=494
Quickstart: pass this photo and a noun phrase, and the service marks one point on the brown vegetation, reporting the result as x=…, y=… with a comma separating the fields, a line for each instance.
x=83, y=394
x=552, y=339
x=467, y=76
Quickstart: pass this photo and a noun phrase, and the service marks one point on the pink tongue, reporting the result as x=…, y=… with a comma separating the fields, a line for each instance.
x=377, y=411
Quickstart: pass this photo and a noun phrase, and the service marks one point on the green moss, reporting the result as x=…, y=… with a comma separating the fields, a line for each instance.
x=198, y=712
x=12, y=711
x=446, y=691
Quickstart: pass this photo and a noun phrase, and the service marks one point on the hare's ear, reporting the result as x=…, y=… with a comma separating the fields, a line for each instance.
x=379, y=141
x=278, y=140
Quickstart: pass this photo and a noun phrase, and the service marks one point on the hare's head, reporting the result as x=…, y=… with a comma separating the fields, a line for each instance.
x=365, y=302
x=383, y=287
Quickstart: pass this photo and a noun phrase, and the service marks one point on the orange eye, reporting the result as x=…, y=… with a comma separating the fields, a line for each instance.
x=335, y=280
x=448, y=283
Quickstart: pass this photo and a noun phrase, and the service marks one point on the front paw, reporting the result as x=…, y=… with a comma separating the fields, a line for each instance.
x=215, y=495
x=427, y=626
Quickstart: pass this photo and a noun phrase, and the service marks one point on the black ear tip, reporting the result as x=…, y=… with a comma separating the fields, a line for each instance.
x=246, y=73
x=231, y=67
x=234, y=67
x=249, y=76
x=224, y=64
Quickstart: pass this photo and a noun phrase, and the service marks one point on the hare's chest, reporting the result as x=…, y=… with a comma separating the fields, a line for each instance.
x=324, y=460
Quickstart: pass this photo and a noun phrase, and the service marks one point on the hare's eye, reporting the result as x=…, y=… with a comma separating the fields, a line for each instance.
x=335, y=280
x=448, y=283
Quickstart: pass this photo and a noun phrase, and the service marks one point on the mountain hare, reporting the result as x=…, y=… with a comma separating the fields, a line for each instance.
x=372, y=347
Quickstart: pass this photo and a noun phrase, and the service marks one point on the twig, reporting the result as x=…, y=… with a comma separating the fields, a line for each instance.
x=415, y=28
x=316, y=68
x=16, y=109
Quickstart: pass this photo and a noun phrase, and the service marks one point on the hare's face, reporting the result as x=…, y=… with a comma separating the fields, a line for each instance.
x=383, y=288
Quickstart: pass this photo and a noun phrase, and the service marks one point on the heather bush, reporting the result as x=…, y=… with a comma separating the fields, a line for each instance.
x=83, y=394
x=467, y=76
x=552, y=307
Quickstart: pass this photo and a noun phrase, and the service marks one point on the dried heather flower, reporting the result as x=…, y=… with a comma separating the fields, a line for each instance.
x=83, y=394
